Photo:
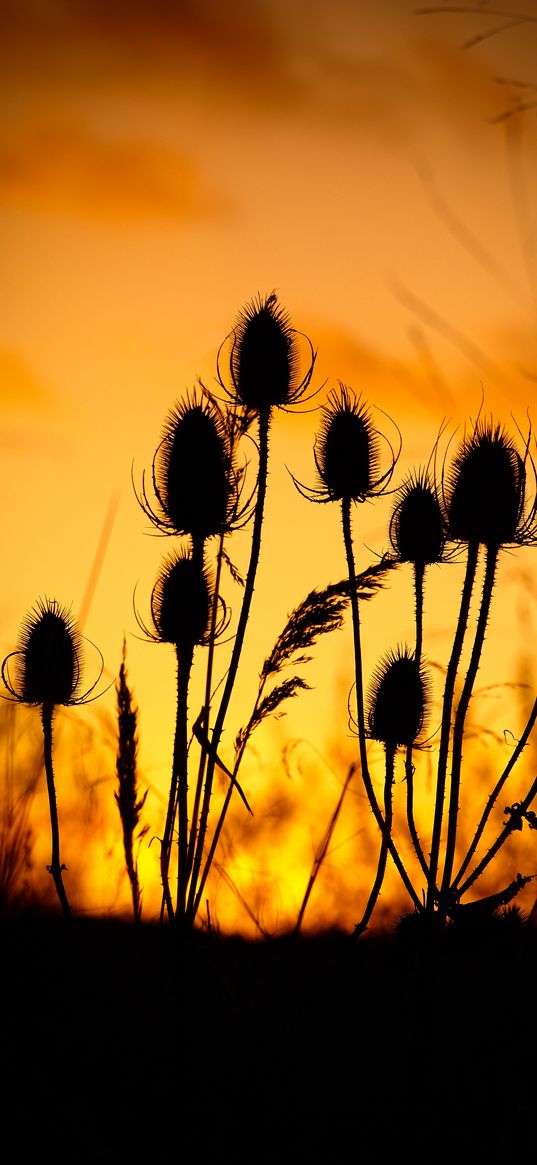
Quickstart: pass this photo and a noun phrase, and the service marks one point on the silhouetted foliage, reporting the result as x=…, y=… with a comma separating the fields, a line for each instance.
x=127, y=797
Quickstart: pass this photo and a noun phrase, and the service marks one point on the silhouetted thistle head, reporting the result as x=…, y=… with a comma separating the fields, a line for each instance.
x=418, y=524
x=398, y=700
x=264, y=360
x=347, y=452
x=486, y=490
x=194, y=476
x=47, y=664
x=181, y=603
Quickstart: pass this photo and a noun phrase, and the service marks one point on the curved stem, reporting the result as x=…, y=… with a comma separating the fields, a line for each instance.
x=521, y=744
x=445, y=731
x=460, y=718
x=366, y=777
x=195, y=892
x=206, y=710
x=419, y=573
x=383, y=855
x=55, y=868
x=180, y=764
x=500, y=840
x=178, y=796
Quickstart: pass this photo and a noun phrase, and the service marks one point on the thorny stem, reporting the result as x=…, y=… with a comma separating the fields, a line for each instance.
x=178, y=798
x=366, y=777
x=180, y=763
x=460, y=718
x=521, y=744
x=383, y=855
x=206, y=710
x=196, y=892
x=55, y=868
x=419, y=572
x=500, y=840
x=445, y=731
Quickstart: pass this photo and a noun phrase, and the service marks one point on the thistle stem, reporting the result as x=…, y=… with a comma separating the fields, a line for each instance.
x=383, y=855
x=178, y=796
x=383, y=826
x=445, y=730
x=55, y=868
x=460, y=718
x=419, y=573
x=206, y=711
x=195, y=890
x=500, y=840
x=521, y=744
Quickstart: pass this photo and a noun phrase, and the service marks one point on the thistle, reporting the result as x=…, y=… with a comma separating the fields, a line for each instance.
x=47, y=673
x=263, y=373
x=347, y=455
x=397, y=709
x=418, y=536
x=196, y=483
x=489, y=503
x=264, y=361
x=181, y=605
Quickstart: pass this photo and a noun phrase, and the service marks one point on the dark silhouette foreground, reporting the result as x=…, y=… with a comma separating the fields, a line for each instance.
x=123, y=1044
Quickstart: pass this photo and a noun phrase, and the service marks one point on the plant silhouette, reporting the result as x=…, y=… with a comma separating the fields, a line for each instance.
x=128, y=799
x=198, y=491
x=198, y=495
x=347, y=457
x=47, y=673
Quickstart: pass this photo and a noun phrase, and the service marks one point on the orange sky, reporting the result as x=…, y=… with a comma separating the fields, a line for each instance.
x=160, y=165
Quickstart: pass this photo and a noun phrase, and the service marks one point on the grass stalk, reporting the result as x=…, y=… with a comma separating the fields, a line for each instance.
x=520, y=746
x=460, y=719
x=447, y=708
x=197, y=883
x=383, y=855
x=362, y=741
x=56, y=867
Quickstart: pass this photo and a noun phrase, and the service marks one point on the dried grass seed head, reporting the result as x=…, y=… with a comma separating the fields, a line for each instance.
x=265, y=359
x=181, y=602
x=47, y=664
x=486, y=490
x=398, y=700
x=418, y=523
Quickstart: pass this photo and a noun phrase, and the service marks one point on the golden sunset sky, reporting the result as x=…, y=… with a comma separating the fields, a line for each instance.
x=161, y=164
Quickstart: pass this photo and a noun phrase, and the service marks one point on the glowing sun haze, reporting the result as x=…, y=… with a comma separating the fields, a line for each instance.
x=160, y=165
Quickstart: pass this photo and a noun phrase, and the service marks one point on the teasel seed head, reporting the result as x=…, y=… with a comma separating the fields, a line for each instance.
x=486, y=490
x=47, y=664
x=347, y=452
x=181, y=602
x=418, y=523
x=398, y=700
x=265, y=360
x=195, y=481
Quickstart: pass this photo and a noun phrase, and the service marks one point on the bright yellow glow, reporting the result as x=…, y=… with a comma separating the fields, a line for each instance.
x=153, y=178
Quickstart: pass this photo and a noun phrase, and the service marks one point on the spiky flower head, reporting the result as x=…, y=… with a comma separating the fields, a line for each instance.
x=47, y=663
x=264, y=360
x=486, y=490
x=398, y=700
x=181, y=602
x=417, y=524
x=194, y=476
x=347, y=451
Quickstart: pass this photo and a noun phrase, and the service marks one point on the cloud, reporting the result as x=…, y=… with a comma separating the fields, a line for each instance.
x=64, y=166
x=95, y=43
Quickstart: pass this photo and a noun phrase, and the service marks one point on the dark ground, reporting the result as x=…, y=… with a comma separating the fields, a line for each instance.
x=119, y=1044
